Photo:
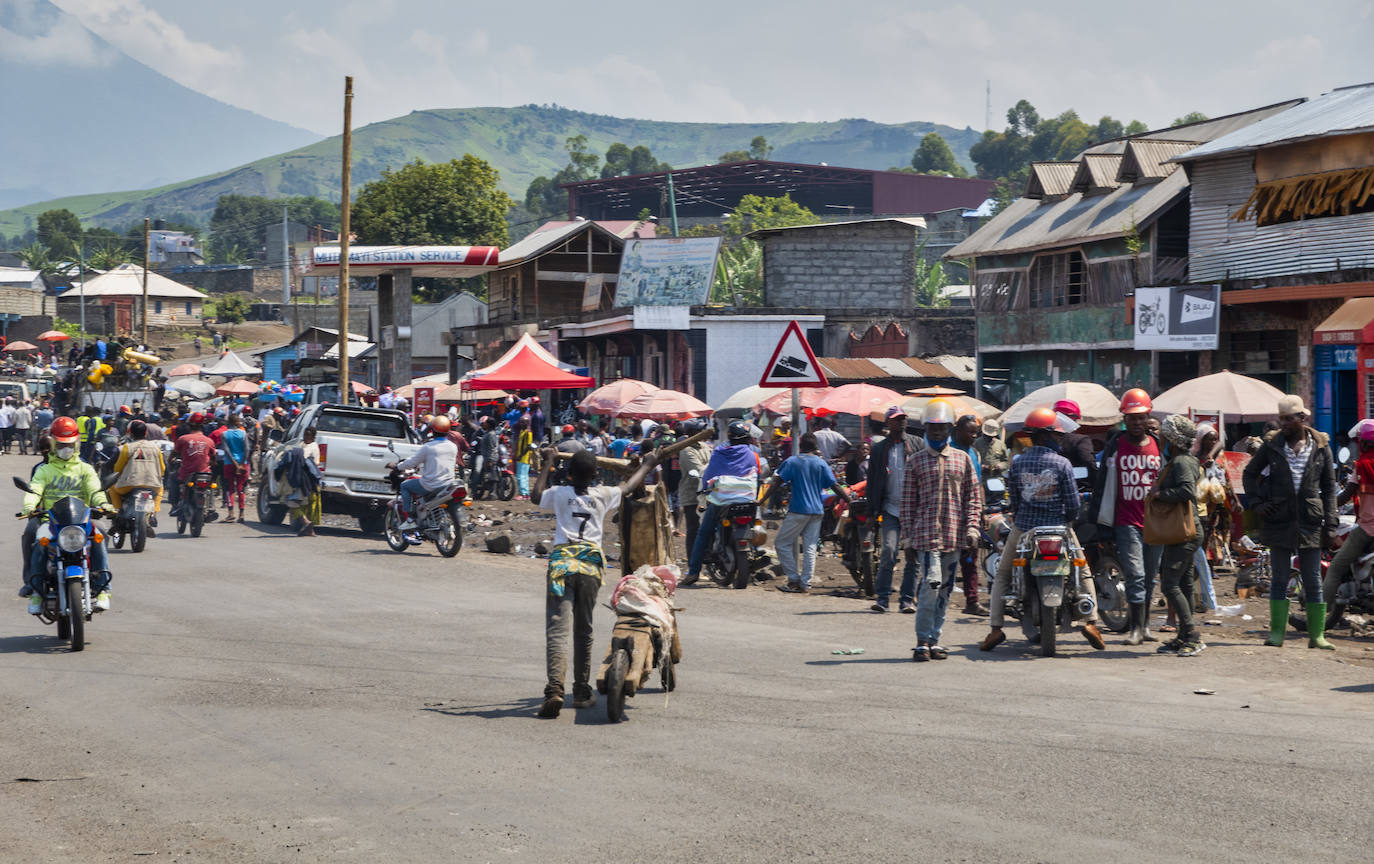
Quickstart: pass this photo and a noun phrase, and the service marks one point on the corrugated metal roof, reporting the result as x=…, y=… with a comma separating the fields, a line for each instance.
x=541, y=241
x=1341, y=112
x=1201, y=131
x=851, y=368
x=869, y=368
x=625, y=228
x=963, y=368
x=1027, y=224
x=126, y=280
x=1145, y=160
x=893, y=366
x=1096, y=173
x=910, y=221
x=1050, y=179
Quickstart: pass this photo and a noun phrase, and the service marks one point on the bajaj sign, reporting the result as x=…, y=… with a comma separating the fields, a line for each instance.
x=1177, y=318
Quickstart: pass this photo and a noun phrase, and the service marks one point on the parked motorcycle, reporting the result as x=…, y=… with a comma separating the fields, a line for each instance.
x=65, y=581
x=197, y=504
x=435, y=516
x=1047, y=588
x=503, y=486
x=131, y=522
x=848, y=527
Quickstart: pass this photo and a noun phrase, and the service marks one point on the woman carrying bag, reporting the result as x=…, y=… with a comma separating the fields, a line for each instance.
x=1171, y=520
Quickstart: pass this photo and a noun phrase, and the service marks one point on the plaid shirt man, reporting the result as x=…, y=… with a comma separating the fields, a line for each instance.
x=942, y=500
x=1042, y=488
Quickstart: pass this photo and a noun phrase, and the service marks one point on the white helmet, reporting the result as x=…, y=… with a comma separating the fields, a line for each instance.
x=939, y=411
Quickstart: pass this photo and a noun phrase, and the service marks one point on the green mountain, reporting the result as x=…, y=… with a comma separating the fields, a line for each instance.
x=522, y=143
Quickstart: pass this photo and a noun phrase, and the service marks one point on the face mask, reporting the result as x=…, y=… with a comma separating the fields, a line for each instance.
x=66, y=452
x=1052, y=445
x=937, y=446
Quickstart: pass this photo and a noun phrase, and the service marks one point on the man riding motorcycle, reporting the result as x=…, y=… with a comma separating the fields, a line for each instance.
x=66, y=474
x=736, y=468
x=1042, y=491
x=436, y=458
x=196, y=451
x=139, y=465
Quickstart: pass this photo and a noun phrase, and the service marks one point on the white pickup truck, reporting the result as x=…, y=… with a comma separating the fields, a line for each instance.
x=354, y=450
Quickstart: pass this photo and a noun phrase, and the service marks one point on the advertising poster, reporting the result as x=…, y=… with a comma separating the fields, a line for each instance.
x=1177, y=318
x=667, y=271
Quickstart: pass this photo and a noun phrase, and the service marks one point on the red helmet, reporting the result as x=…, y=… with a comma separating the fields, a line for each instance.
x=124, y=409
x=568, y=429
x=196, y=419
x=1068, y=408
x=64, y=430
x=1046, y=417
x=1136, y=401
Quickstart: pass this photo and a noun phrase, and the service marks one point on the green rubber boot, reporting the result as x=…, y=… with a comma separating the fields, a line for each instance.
x=1278, y=622
x=1316, y=627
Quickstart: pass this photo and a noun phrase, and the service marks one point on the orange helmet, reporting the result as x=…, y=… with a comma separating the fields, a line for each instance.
x=440, y=425
x=64, y=430
x=1046, y=417
x=1136, y=401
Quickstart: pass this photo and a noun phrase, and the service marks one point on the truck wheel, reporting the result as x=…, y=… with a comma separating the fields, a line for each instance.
x=268, y=513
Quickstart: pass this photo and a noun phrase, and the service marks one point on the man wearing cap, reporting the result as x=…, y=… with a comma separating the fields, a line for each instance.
x=1130, y=462
x=993, y=457
x=1076, y=447
x=886, y=474
x=1291, y=482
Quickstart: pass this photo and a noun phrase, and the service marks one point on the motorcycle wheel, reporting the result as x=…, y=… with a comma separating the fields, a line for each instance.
x=507, y=484
x=1110, y=582
x=448, y=535
x=866, y=571
x=741, y=569
x=117, y=539
x=75, y=616
x=719, y=567
x=615, y=685
x=1049, y=626
x=197, y=522
x=64, y=629
x=395, y=537
x=181, y=524
x=268, y=513
x=138, y=538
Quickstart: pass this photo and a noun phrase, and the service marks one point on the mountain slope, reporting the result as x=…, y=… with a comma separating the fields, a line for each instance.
x=82, y=115
x=522, y=143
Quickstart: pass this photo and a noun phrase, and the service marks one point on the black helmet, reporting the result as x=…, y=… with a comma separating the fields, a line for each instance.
x=738, y=432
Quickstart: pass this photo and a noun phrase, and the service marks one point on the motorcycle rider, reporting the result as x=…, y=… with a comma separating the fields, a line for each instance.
x=489, y=456
x=1041, y=491
x=139, y=464
x=1361, y=487
x=62, y=475
x=436, y=459
x=1078, y=449
x=737, y=469
x=886, y=470
x=1130, y=462
x=196, y=452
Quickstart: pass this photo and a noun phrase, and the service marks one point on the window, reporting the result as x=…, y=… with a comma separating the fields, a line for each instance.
x=188, y=307
x=1058, y=280
x=371, y=425
x=1263, y=352
x=157, y=306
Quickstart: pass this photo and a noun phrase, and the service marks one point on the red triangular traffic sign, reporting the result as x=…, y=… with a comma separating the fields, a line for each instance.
x=793, y=363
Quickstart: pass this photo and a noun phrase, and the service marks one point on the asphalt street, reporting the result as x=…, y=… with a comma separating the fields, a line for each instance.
x=255, y=696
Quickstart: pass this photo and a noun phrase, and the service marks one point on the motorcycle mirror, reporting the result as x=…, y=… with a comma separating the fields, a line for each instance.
x=1343, y=455
x=995, y=484
x=1080, y=473
x=21, y=485
x=692, y=473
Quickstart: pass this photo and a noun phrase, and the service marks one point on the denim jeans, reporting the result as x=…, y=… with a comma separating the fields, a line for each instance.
x=891, y=528
x=1204, y=578
x=807, y=526
x=1139, y=562
x=1309, y=568
x=934, y=584
x=570, y=613
x=409, y=489
x=522, y=478
x=99, y=564
x=710, y=521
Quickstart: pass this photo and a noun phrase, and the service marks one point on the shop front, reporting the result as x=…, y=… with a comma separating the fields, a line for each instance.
x=1343, y=366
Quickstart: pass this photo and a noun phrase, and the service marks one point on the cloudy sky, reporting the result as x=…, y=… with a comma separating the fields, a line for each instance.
x=886, y=60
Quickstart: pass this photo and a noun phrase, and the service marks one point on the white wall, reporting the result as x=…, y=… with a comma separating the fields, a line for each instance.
x=738, y=347
x=429, y=322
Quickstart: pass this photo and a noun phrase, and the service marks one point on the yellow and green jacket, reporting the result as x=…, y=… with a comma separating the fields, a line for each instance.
x=59, y=478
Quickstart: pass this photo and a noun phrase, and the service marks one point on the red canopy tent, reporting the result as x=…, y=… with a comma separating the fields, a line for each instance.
x=526, y=366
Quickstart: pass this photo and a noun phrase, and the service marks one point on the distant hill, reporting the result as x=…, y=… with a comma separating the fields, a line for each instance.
x=80, y=115
x=522, y=143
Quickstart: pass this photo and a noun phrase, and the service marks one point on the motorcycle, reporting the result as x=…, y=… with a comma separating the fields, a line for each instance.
x=503, y=487
x=847, y=525
x=131, y=522
x=433, y=518
x=197, y=504
x=1047, y=591
x=992, y=537
x=65, y=581
x=735, y=553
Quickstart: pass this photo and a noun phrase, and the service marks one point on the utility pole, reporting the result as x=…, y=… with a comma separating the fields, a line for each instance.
x=147, y=223
x=81, y=274
x=345, y=390
x=285, y=260
x=987, y=110
x=672, y=202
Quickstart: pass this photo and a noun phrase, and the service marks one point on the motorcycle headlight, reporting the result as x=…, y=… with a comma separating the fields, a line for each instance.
x=71, y=538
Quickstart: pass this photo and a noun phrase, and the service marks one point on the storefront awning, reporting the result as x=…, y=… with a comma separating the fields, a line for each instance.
x=1351, y=324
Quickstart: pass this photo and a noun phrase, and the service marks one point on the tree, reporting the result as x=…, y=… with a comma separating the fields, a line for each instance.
x=757, y=213
x=935, y=157
x=242, y=221
x=458, y=202
x=1190, y=117
x=733, y=156
x=739, y=269
x=929, y=280
x=37, y=257
x=544, y=198
x=231, y=309
x=107, y=254
x=60, y=231
x=759, y=148
x=622, y=161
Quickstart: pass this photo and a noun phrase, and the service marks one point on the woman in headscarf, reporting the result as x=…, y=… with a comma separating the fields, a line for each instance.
x=1178, y=483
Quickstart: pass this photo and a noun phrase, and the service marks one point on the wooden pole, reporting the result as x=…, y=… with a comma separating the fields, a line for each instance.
x=146, y=240
x=345, y=389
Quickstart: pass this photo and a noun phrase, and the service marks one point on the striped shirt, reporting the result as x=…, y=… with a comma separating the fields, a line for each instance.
x=1297, y=459
x=942, y=500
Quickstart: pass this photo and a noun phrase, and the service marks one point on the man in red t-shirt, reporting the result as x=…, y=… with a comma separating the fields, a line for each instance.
x=196, y=452
x=1130, y=462
x=1361, y=487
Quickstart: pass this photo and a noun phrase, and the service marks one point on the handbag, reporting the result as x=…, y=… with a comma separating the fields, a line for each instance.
x=1167, y=523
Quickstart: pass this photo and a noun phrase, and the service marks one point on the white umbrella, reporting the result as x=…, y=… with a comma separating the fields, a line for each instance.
x=1240, y=398
x=192, y=387
x=744, y=401
x=1096, y=403
x=231, y=365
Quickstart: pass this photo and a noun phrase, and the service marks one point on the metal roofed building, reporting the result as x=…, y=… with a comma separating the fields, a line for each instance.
x=707, y=191
x=169, y=303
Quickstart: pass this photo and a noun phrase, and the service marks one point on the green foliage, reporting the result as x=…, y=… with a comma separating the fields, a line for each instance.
x=36, y=256
x=759, y=148
x=733, y=156
x=935, y=157
x=107, y=254
x=621, y=161
x=756, y=213
x=231, y=309
x=242, y=222
x=60, y=231
x=1190, y=117
x=739, y=269
x=929, y=280
x=454, y=202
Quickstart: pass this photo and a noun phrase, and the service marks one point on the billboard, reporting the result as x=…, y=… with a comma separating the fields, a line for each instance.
x=1177, y=318
x=666, y=271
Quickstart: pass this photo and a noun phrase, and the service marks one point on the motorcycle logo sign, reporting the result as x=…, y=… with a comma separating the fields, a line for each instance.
x=1177, y=318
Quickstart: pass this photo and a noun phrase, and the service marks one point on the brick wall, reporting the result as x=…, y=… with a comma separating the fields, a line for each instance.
x=863, y=266
x=929, y=331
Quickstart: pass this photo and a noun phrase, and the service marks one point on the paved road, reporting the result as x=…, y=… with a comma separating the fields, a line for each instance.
x=259, y=697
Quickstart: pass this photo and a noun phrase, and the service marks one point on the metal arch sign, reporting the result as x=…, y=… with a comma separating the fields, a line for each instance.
x=409, y=256
x=793, y=363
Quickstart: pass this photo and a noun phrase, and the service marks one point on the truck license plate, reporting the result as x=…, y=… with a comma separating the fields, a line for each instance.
x=371, y=486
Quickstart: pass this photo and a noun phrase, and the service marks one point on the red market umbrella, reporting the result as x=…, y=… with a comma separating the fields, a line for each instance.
x=664, y=405
x=21, y=345
x=782, y=403
x=857, y=399
x=360, y=388
x=53, y=336
x=237, y=387
x=609, y=398
x=184, y=370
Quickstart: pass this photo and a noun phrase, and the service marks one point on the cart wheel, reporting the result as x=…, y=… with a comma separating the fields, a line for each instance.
x=615, y=685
